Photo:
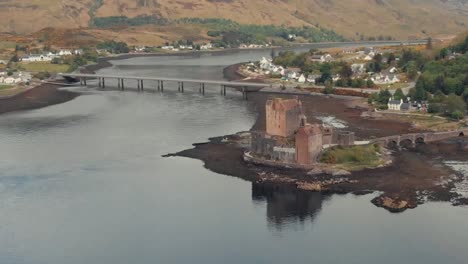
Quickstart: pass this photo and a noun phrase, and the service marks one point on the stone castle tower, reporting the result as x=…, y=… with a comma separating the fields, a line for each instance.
x=283, y=117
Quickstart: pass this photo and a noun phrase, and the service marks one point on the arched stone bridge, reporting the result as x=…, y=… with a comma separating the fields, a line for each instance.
x=409, y=140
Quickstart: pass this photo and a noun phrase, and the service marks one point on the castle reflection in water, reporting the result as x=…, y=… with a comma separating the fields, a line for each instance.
x=285, y=205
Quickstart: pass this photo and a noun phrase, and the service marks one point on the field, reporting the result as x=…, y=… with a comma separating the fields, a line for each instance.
x=44, y=67
x=8, y=90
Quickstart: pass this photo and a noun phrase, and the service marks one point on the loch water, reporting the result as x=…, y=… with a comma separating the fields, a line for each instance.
x=85, y=182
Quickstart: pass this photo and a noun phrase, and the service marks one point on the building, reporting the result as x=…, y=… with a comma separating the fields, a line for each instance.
x=283, y=116
x=321, y=58
x=289, y=140
x=398, y=105
x=309, y=142
x=301, y=79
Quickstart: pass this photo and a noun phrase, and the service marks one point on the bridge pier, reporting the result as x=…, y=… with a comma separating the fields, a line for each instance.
x=99, y=82
x=162, y=86
x=122, y=86
x=103, y=83
x=244, y=93
x=142, y=87
x=138, y=85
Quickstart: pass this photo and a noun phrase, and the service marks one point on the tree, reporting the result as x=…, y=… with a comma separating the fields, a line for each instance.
x=384, y=96
x=443, y=53
x=325, y=69
x=15, y=58
x=346, y=72
x=429, y=43
x=454, y=106
x=419, y=94
x=391, y=58
x=399, y=94
x=411, y=70
x=328, y=87
x=370, y=83
x=273, y=54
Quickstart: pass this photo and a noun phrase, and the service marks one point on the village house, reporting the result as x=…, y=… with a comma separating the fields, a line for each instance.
x=312, y=78
x=358, y=68
x=37, y=58
x=381, y=78
x=206, y=46
x=301, y=79
x=398, y=105
x=321, y=58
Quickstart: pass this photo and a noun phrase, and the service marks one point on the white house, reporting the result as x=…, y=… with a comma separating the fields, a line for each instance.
x=321, y=58
x=302, y=78
x=369, y=56
x=398, y=105
x=37, y=57
x=64, y=52
x=385, y=78
x=292, y=75
x=9, y=80
x=358, y=68
x=311, y=78
x=206, y=46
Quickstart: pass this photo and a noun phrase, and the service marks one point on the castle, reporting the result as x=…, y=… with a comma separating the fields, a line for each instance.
x=289, y=139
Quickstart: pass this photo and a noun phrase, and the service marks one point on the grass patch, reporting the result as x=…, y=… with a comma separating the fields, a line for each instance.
x=9, y=90
x=393, y=86
x=7, y=45
x=44, y=67
x=353, y=157
x=5, y=87
x=430, y=122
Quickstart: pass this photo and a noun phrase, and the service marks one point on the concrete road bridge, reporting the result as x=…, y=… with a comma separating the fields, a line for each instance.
x=159, y=82
x=411, y=140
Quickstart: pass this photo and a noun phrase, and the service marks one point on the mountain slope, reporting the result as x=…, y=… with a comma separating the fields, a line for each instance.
x=398, y=18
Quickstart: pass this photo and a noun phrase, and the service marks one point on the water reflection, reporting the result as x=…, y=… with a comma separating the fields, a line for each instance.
x=285, y=206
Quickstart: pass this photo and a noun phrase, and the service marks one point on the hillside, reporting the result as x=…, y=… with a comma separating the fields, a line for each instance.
x=398, y=18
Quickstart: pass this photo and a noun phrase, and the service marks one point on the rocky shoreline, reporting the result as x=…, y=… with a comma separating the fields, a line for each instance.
x=43, y=95
x=415, y=177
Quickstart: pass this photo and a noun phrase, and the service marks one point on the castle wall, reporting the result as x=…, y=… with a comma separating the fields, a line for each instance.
x=283, y=117
x=345, y=138
x=309, y=142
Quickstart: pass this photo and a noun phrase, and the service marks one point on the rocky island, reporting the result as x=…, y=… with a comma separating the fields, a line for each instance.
x=284, y=150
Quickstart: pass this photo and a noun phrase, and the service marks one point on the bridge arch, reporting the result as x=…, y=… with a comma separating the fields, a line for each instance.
x=392, y=144
x=462, y=134
x=406, y=143
x=420, y=140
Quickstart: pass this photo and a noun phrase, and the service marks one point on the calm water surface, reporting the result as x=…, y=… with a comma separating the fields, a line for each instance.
x=84, y=182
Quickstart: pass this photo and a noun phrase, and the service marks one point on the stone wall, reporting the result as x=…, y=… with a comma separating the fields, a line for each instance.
x=309, y=143
x=284, y=154
x=345, y=138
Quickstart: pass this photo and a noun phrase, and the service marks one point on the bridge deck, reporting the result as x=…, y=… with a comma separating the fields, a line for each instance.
x=185, y=80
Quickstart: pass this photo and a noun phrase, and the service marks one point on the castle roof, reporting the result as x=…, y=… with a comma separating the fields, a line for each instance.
x=310, y=129
x=284, y=104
